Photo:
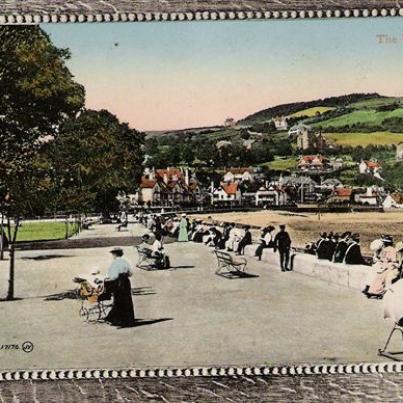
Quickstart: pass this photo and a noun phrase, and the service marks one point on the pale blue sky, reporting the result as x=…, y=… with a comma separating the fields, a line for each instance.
x=184, y=74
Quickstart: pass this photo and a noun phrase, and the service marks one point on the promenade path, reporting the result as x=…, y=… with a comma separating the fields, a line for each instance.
x=188, y=316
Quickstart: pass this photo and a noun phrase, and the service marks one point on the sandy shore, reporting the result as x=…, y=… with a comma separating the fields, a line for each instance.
x=305, y=227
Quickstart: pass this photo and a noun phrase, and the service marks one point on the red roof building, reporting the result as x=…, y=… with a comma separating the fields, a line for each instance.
x=313, y=163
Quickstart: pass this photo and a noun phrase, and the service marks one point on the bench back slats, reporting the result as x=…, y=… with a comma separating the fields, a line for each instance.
x=224, y=257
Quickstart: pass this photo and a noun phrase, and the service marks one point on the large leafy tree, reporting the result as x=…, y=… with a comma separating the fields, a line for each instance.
x=95, y=157
x=37, y=92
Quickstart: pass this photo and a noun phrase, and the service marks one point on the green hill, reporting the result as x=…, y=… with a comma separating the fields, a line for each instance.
x=364, y=139
x=364, y=118
x=311, y=112
x=266, y=115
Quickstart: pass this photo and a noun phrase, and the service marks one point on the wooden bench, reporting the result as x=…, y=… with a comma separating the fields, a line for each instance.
x=229, y=263
x=147, y=261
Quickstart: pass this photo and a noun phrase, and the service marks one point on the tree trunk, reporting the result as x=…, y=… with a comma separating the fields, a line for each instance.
x=12, y=240
x=67, y=228
x=10, y=291
x=2, y=238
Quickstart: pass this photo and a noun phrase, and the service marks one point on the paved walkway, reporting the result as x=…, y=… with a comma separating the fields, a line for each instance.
x=189, y=316
x=109, y=231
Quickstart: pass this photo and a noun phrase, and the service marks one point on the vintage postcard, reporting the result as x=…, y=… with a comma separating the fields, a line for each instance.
x=201, y=194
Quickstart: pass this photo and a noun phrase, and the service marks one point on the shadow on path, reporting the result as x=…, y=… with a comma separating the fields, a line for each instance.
x=72, y=294
x=181, y=267
x=233, y=275
x=143, y=291
x=45, y=257
x=146, y=322
x=68, y=294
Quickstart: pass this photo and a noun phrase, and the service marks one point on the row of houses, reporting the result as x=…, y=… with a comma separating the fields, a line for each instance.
x=168, y=187
x=243, y=186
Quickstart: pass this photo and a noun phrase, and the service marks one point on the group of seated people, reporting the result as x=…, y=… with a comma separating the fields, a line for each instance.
x=386, y=267
x=344, y=248
x=158, y=224
x=387, y=259
x=221, y=236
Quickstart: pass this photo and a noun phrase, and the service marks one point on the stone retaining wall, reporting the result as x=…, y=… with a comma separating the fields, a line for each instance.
x=351, y=276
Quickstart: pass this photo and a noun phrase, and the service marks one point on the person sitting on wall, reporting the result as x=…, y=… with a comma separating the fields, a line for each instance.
x=213, y=237
x=266, y=241
x=353, y=254
x=322, y=246
x=246, y=240
x=192, y=229
x=333, y=242
x=199, y=232
x=310, y=248
x=234, y=237
x=341, y=248
x=384, y=271
x=225, y=236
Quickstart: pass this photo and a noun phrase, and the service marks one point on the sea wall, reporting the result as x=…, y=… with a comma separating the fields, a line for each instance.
x=351, y=276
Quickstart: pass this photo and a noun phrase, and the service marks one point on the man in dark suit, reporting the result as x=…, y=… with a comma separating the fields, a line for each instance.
x=282, y=242
x=353, y=252
x=321, y=246
x=246, y=240
x=341, y=248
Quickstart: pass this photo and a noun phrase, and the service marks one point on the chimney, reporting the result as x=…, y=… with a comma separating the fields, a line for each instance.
x=212, y=186
x=266, y=184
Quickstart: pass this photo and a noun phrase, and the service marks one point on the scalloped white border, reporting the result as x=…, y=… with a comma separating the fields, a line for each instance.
x=300, y=370
x=29, y=18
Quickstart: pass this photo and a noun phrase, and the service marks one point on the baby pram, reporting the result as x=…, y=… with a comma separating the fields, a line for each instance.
x=90, y=289
x=393, y=309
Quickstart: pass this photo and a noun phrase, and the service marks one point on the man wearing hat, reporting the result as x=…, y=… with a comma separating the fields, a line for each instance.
x=341, y=247
x=282, y=242
x=118, y=282
x=322, y=246
x=246, y=240
x=266, y=241
x=353, y=253
x=333, y=242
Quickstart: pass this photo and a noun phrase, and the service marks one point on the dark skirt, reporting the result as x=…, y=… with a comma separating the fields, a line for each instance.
x=122, y=312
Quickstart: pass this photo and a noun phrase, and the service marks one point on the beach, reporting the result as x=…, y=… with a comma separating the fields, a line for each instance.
x=306, y=227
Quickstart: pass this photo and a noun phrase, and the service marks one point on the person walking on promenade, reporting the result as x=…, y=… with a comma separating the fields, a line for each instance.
x=118, y=284
x=183, y=229
x=282, y=242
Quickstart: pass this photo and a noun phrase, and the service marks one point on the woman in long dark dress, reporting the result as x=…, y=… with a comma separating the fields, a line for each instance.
x=118, y=282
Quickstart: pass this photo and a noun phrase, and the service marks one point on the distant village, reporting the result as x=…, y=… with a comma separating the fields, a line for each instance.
x=313, y=181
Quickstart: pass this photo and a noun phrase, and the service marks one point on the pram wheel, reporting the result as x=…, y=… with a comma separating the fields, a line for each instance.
x=83, y=313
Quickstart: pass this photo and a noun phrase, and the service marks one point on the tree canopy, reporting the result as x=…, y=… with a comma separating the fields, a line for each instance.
x=94, y=156
x=37, y=92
